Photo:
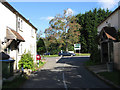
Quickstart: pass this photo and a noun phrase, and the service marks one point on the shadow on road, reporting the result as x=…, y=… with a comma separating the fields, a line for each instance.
x=75, y=61
x=69, y=68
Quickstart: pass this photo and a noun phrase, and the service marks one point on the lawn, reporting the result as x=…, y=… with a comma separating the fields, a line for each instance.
x=77, y=54
x=112, y=76
x=51, y=56
x=82, y=54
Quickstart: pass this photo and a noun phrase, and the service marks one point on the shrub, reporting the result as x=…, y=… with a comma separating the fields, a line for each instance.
x=26, y=60
x=95, y=55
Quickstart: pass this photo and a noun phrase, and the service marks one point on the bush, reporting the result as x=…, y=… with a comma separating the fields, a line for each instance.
x=26, y=60
x=95, y=55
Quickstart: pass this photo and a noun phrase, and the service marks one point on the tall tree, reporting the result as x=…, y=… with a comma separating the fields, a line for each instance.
x=89, y=22
x=65, y=29
x=41, y=46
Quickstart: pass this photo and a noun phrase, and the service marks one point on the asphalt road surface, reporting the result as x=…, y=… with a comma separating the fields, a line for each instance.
x=66, y=72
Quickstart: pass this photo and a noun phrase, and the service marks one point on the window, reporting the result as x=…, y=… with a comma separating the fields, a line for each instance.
x=20, y=48
x=32, y=33
x=20, y=24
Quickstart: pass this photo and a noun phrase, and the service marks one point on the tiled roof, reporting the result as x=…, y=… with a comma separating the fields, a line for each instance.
x=19, y=37
x=110, y=32
x=109, y=36
x=11, y=34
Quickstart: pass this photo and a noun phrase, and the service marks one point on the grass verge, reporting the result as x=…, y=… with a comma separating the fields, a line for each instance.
x=82, y=54
x=112, y=76
x=51, y=56
x=16, y=83
x=91, y=63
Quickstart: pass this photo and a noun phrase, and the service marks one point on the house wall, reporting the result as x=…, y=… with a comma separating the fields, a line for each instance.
x=7, y=19
x=113, y=20
x=29, y=35
x=116, y=53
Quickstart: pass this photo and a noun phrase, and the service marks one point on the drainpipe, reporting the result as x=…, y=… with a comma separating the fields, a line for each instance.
x=101, y=52
x=0, y=67
x=108, y=52
x=16, y=48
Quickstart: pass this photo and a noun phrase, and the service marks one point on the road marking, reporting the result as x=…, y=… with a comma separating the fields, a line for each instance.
x=65, y=85
x=79, y=76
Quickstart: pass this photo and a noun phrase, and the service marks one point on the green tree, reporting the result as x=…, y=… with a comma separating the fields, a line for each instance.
x=41, y=46
x=65, y=29
x=89, y=22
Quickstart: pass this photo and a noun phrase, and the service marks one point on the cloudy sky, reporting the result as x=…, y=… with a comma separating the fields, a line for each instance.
x=40, y=12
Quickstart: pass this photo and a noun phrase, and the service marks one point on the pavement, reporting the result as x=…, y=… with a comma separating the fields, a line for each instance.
x=98, y=68
x=101, y=68
x=65, y=73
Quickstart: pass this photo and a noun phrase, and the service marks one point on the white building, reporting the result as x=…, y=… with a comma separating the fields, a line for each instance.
x=113, y=20
x=17, y=34
x=108, y=38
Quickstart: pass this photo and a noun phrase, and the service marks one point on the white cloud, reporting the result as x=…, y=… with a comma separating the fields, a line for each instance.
x=108, y=3
x=46, y=18
x=69, y=11
x=49, y=18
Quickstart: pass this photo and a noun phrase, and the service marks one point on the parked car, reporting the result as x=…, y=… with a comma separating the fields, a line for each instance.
x=47, y=53
x=66, y=54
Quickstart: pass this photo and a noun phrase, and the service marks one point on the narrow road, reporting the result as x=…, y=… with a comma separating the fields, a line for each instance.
x=66, y=72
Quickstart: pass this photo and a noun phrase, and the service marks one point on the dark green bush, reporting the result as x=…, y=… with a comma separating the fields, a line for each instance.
x=26, y=60
x=95, y=55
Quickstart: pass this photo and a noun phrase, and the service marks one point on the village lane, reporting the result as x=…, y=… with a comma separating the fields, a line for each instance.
x=66, y=72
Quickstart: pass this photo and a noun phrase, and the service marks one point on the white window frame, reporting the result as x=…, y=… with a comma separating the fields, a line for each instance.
x=32, y=33
x=20, y=24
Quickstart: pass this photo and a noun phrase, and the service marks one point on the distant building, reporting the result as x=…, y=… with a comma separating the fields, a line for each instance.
x=17, y=34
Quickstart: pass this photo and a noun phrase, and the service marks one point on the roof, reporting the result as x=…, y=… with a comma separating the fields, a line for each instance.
x=18, y=36
x=110, y=32
x=6, y=4
x=109, y=15
x=11, y=34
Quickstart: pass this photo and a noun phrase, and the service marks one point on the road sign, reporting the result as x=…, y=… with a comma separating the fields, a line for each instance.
x=77, y=46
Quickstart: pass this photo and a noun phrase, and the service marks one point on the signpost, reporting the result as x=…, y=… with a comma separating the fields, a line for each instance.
x=77, y=47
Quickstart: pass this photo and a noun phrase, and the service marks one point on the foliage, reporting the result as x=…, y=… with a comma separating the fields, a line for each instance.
x=51, y=55
x=26, y=60
x=35, y=65
x=89, y=22
x=64, y=29
x=112, y=76
x=41, y=46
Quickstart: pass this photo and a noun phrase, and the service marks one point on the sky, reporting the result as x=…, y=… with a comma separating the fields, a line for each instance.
x=41, y=12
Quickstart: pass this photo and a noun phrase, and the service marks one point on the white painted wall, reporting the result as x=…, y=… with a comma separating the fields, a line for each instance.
x=113, y=20
x=30, y=40
x=8, y=19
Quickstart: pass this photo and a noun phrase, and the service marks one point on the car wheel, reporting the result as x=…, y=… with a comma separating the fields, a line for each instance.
x=71, y=55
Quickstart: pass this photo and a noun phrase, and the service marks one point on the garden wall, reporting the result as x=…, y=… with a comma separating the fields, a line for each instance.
x=116, y=53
